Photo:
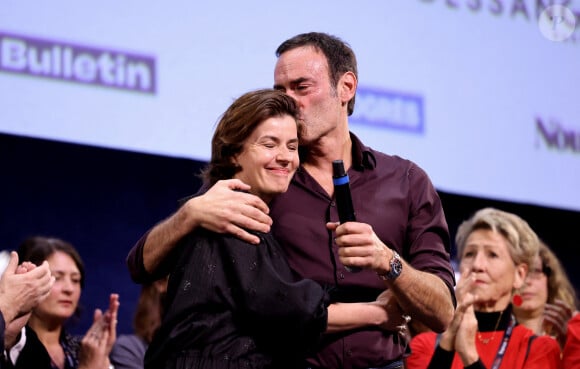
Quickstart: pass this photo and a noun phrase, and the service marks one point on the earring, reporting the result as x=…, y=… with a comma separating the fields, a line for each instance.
x=517, y=300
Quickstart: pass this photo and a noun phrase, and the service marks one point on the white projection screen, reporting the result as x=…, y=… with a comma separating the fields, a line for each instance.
x=483, y=94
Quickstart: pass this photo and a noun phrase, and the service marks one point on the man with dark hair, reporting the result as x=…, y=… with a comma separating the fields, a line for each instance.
x=401, y=239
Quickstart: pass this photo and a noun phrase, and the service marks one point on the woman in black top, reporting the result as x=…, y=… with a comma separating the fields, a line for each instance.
x=231, y=304
x=44, y=342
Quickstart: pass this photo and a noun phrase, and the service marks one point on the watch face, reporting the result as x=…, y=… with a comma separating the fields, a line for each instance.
x=396, y=267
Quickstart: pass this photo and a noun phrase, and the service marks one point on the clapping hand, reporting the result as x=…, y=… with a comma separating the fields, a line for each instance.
x=22, y=287
x=14, y=327
x=460, y=336
x=556, y=317
x=97, y=343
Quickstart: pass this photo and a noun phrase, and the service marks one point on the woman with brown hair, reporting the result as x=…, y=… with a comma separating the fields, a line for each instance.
x=44, y=343
x=547, y=300
x=231, y=304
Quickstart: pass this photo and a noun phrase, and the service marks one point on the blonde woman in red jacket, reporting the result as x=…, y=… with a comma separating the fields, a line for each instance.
x=495, y=250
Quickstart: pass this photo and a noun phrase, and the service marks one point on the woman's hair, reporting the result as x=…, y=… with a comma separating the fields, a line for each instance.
x=238, y=122
x=38, y=249
x=149, y=311
x=559, y=286
x=523, y=241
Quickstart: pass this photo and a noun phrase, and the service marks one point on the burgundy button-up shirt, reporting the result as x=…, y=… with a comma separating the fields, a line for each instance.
x=398, y=200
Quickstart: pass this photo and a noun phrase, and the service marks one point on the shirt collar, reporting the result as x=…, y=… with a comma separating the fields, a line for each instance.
x=362, y=156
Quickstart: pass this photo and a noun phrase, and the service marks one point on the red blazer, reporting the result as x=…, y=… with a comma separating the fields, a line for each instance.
x=571, y=354
x=543, y=353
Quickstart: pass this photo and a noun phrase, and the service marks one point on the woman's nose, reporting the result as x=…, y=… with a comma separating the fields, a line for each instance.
x=67, y=285
x=478, y=262
x=284, y=155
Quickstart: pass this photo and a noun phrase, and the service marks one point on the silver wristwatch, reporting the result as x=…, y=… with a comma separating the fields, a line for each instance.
x=396, y=267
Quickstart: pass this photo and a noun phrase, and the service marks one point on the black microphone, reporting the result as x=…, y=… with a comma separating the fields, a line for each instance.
x=343, y=198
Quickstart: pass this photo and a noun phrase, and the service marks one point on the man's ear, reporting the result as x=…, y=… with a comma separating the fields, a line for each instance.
x=346, y=87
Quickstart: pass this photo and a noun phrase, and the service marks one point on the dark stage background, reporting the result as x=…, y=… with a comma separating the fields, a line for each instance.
x=103, y=200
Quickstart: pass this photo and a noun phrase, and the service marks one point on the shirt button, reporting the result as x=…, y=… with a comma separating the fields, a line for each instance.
x=349, y=353
x=341, y=275
x=332, y=203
